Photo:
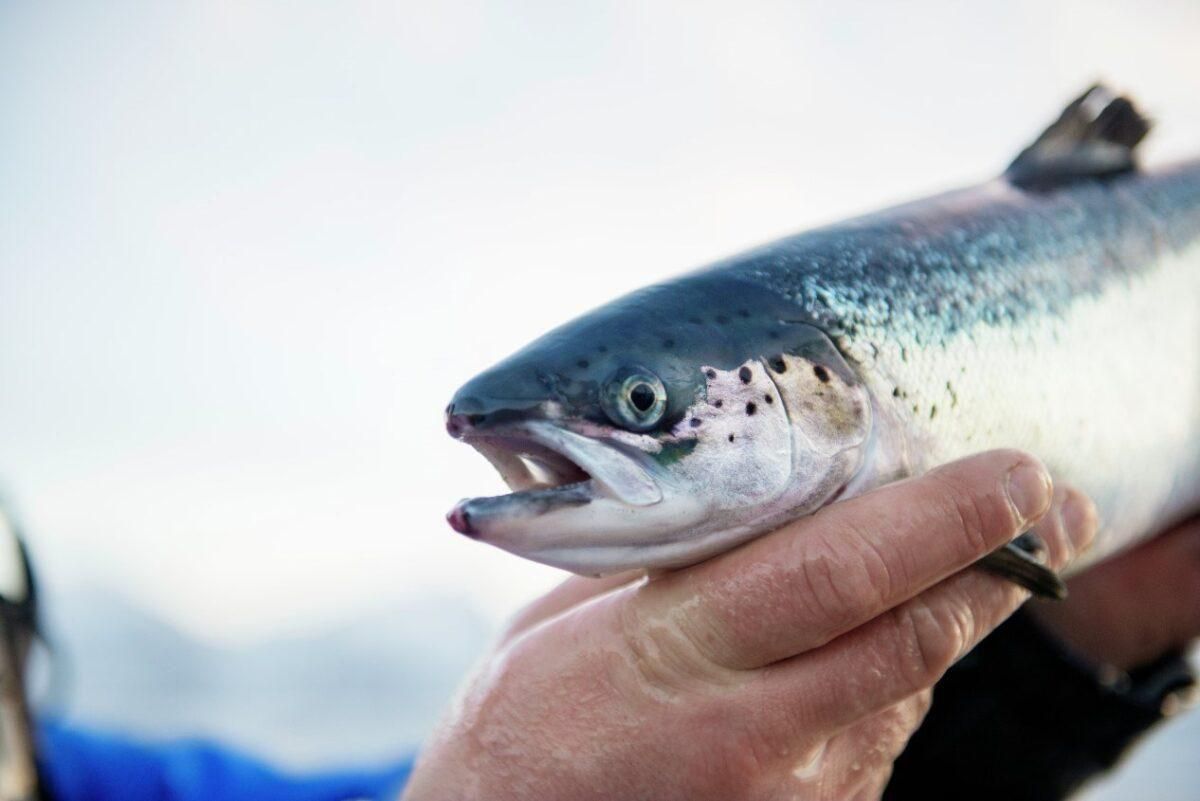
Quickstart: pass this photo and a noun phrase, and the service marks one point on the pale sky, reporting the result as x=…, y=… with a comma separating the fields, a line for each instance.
x=248, y=250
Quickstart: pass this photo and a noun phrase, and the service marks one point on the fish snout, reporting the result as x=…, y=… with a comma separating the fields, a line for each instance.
x=460, y=520
x=460, y=422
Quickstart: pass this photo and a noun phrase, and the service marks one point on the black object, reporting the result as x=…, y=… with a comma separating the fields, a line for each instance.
x=18, y=631
x=1023, y=562
x=1095, y=137
x=1020, y=717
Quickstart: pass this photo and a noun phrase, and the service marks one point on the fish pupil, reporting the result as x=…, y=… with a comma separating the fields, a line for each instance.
x=642, y=397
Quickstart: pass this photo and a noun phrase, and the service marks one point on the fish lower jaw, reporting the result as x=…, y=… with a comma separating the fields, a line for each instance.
x=601, y=560
x=477, y=517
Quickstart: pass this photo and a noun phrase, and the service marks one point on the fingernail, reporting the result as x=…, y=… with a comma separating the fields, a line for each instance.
x=1029, y=490
x=1080, y=519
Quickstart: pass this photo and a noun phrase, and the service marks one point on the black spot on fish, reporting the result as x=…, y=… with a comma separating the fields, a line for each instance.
x=674, y=451
x=768, y=399
x=777, y=364
x=743, y=314
x=602, y=349
x=668, y=343
x=718, y=403
x=896, y=392
x=933, y=411
x=731, y=437
x=745, y=375
x=751, y=408
x=710, y=373
x=582, y=364
x=953, y=395
x=773, y=334
x=821, y=373
x=695, y=422
x=722, y=319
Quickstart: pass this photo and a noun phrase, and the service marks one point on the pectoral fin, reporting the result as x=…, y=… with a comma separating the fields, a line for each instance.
x=1018, y=562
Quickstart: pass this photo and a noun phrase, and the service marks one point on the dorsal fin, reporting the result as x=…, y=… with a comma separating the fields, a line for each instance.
x=1095, y=136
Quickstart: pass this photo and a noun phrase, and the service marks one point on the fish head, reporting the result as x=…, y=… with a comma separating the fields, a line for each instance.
x=661, y=429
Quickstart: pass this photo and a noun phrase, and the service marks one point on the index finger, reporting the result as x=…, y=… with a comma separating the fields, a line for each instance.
x=812, y=580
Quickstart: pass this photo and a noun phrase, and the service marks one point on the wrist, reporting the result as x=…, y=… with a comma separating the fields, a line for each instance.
x=1159, y=686
x=1023, y=698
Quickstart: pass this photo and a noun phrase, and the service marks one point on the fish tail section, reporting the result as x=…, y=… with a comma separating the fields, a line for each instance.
x=1018, y=562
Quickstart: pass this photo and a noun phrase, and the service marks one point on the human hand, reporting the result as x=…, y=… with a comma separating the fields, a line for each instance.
x=795, y=666
x=1130, y=610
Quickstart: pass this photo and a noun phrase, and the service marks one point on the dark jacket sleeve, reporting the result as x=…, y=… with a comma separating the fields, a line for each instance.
x=1020, y=717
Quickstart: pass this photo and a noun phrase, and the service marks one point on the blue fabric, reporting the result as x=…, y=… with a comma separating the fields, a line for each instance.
x=83, y=765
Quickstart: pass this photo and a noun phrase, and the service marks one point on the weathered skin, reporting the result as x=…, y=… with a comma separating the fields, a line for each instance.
x=823, y=365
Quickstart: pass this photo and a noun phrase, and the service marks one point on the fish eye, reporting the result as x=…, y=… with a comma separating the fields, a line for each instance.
x=634, y=398
x=642, y=396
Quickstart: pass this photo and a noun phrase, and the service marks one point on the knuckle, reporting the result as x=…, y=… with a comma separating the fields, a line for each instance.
x=839, y=581
x=980, y=519
x=921, y=704
x=667, y=656
x=973, y=518
x=711, y=641
x=932, y=638
x=819, y=585
x=880, y=575
x=892, y=729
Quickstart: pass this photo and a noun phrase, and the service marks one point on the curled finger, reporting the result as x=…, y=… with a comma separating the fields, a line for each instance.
x=908, y=648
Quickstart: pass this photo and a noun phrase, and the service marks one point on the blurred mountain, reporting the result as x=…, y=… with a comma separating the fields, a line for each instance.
x=368, y=690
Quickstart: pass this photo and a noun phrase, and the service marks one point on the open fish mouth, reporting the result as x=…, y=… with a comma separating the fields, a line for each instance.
x=549, y=468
